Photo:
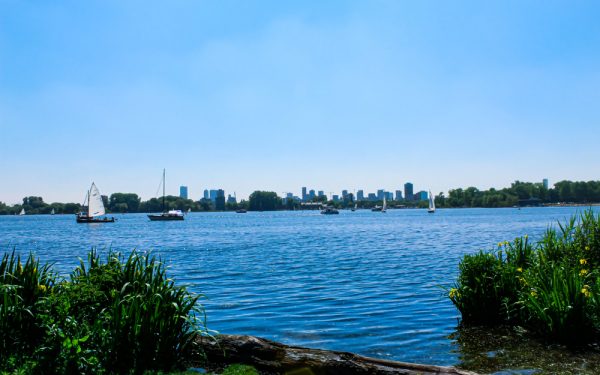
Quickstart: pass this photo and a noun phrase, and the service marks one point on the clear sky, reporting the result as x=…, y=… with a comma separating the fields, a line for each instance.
x=276, y=95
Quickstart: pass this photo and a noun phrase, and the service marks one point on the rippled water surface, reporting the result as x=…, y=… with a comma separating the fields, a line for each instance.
x=360, y=281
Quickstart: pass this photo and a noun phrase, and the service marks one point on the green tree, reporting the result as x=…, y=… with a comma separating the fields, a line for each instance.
x=264, y=201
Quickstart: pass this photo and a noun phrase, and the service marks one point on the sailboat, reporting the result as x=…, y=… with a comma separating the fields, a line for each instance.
x=354, y=208
x=95, y=208
x=52, y=212
x=166, y=215
x=384, y=207
x=22, y=212
x=431, y=208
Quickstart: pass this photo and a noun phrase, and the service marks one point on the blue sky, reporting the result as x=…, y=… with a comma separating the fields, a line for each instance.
x=276, y=95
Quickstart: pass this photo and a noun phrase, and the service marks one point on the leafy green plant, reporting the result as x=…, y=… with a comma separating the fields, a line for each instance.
x=551, y=287
x=22, y=286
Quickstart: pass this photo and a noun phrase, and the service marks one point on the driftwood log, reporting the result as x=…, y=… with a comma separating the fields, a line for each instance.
x=275, y=358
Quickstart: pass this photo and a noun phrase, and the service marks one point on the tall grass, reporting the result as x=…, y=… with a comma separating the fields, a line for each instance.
x=551, y=286
x=22, y=286
x=121, y=315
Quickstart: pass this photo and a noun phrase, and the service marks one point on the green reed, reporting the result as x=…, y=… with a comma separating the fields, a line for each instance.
x=121, y=315
x=550, y=287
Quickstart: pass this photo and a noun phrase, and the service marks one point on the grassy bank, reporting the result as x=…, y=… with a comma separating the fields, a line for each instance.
x=551, y=287
x=113, y=315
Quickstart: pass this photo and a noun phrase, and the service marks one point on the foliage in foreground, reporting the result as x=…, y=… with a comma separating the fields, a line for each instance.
x=123, y=315
x=552, y=286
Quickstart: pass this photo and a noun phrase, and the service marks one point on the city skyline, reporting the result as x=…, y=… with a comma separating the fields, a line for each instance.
x=277, y=95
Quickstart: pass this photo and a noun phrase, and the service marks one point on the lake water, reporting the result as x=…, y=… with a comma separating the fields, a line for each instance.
x=362, y=281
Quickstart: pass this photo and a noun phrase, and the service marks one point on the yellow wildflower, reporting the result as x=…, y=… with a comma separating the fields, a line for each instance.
x=583, y=272
x=42, y=288
x=454, y=293
x=499, y=244
x=582, y=261
x=526, y=236
x=533, y=293
x=587, y=248
x=519, y=269
x=586, y=291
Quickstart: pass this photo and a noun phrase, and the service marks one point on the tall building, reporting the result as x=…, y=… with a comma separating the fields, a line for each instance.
x=183, y=192
x=398, y=195
x=408, y=191
x=545, y=183
x=389, y=196
x=231, y=199
x=360, y=195
x=206, y=196
x=420, y=196
x=311, y=194
x=380, y=194
x=220, y=200
x=320, y=193
x=344, y=193
x=213, y=195
x=304, y=195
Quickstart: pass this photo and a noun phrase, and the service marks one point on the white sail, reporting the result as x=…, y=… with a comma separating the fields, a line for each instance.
x=431, y=202
x=95, y=206
x=22, y=211
x=52, y=213
x=384, y=204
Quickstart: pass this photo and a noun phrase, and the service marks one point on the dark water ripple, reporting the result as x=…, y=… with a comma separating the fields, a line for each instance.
x=360, y=281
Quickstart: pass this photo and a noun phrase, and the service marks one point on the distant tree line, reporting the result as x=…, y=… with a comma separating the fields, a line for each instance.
x=519, y=193
x=580, y=192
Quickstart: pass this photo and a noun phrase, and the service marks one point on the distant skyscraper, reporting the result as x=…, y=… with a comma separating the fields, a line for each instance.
x=320, y=193
x=206, y=195
x=389, y=196
x=311, y=194
x=213, y=195
x=360, y=195
x=380, y=194
x=372, y=197
x=545, y=182
x=398, y=195
x=183, y=192
x=304, y=195
x=420, y=196
x=335, y=198
x=408, y=191
x=344, y=193
x=220, y=200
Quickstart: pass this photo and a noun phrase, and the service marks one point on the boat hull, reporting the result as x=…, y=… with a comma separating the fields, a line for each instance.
x=164, y=217
x=85, y=219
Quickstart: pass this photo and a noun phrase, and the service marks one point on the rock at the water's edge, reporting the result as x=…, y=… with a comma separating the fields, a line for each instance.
x=276, y=358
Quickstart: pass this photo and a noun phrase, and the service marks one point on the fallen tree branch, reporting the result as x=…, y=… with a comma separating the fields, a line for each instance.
x=276, y=358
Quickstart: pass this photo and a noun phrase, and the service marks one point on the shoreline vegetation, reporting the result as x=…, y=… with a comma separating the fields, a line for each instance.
x=564, y=193
x=551, y=287
x=118, y=315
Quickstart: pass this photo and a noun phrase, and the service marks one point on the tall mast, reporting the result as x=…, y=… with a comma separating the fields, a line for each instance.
x=89, y=196
x=163, y=208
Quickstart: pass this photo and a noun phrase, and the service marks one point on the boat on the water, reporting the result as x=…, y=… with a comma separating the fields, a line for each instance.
x=52, y=212
x=431, y=208
x=354, y=208
x=95, y=208
x=241, y=211
x=166, y=215
x=384, y=207
x=22, y=212
x=329, y=211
